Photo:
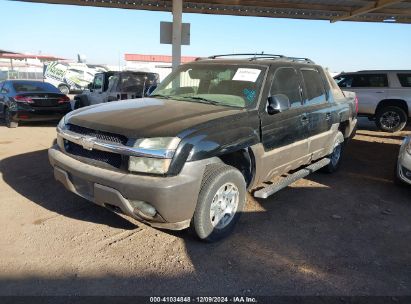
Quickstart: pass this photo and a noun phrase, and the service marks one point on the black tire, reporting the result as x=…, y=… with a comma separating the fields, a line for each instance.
x=335, y=158
x=215, y=178
x=391, y=119
x=10, y=123
x=64, y=89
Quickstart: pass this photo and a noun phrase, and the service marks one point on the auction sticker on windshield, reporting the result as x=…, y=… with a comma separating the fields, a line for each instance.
x=244, y=74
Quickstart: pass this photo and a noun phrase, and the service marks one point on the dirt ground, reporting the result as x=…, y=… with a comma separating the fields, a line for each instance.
x=343, y=234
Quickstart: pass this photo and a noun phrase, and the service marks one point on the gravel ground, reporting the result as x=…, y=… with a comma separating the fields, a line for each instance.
x=343, y=234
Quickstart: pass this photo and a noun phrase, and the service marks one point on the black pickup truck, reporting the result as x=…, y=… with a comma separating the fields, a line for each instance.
x=212, y=130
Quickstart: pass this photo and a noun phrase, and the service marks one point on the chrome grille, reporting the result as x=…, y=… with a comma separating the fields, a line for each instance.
x=101, y=135
x=112, y=159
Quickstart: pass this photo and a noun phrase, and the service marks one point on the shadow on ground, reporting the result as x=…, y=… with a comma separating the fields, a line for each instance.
x=31, y=175
x=343, y=234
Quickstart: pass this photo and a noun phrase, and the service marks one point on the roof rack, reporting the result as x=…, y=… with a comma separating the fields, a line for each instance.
x=307, y=60
x=259, y=56
x=254, y=55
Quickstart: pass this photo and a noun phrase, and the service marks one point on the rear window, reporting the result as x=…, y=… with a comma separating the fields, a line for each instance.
x=405, y=79
x=21, y=87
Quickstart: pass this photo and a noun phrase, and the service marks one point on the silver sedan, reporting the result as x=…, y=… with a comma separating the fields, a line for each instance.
x=403, y=169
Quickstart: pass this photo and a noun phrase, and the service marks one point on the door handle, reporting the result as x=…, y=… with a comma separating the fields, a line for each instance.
x=380, y=92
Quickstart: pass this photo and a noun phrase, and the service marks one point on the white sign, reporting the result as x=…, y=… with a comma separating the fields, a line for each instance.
x=166, y=33
x=244, y=74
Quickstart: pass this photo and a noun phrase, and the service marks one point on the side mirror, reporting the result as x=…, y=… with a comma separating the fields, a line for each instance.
x=90, y=86
x=277, y=104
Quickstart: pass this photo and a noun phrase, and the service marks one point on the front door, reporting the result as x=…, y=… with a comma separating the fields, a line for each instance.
x=284, y=135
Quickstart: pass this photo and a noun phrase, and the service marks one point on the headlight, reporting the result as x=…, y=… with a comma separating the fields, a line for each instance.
x=154, y=165
x=158, y=143
x=62, y=123
x=148, y=165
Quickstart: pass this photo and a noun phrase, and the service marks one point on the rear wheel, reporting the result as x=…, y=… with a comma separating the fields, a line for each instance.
x=391, y=119
x=64, y=89
x=335, y=157
x=220, y=202
x=10, y=123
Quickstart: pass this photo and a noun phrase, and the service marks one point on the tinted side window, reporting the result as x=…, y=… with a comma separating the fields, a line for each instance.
x=344, y=81
x=370, y=81
x=286, y=82
x=314, y=87
x=405, y=80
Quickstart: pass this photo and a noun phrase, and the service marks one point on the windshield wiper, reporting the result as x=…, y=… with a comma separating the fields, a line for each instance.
x=160, y=96
x=204, y=100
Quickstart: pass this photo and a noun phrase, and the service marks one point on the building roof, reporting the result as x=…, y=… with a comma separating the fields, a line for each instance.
x=156, y=58
x=396, y=11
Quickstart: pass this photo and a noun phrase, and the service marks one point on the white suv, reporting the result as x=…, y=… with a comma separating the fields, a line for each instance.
x=383, y=96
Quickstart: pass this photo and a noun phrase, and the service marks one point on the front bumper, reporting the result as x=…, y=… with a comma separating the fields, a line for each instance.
x=404, y=163
x=174, y=198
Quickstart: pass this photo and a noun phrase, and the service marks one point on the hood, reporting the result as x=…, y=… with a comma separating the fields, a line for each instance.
x=148, y=117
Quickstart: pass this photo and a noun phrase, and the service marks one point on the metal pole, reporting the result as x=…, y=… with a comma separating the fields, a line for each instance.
x=176, y=39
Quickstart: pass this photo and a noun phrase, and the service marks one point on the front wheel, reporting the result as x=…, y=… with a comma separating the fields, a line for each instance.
x=391, y=119
x=220, y=202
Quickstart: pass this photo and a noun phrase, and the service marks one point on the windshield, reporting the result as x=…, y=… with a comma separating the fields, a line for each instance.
x=226, y=85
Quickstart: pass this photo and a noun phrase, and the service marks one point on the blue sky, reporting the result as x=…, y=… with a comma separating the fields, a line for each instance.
x=104, y=35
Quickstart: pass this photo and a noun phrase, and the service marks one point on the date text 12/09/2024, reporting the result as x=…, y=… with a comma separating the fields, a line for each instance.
x=240, y=299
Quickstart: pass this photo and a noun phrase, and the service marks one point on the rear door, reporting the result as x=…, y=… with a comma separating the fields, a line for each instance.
x=284, y=135
x=319, y=111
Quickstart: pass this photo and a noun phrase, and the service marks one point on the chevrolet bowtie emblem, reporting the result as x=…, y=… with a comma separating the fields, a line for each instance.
x=88, y=142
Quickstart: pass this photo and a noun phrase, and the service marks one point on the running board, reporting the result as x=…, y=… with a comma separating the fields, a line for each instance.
x=273, y=188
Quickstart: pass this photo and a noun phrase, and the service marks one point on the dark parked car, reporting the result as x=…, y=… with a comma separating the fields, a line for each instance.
x=24, y=100
x=211, y=131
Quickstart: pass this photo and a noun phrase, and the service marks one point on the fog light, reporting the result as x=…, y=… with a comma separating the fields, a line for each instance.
x=144, y=208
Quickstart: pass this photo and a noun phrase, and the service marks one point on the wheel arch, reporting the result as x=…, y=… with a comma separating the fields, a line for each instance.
x=244, y=161
x=395, y=103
